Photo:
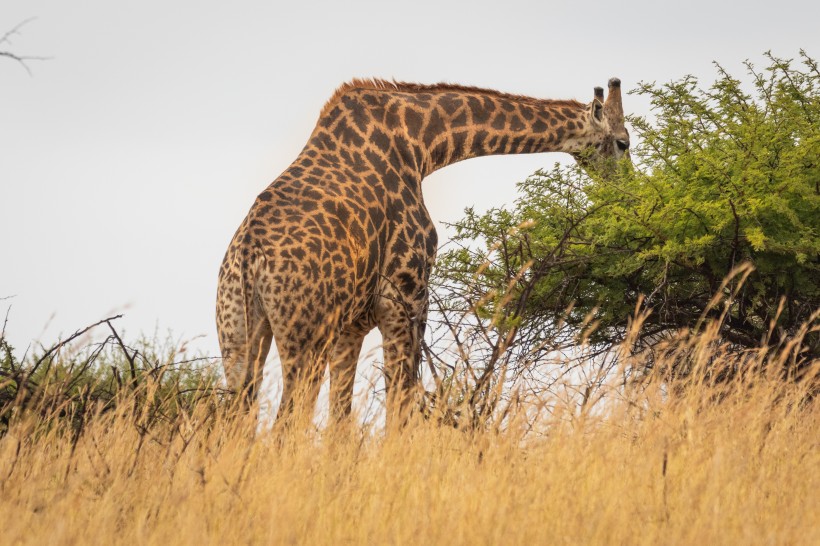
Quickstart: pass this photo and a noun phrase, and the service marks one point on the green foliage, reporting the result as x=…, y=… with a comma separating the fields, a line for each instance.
x=722, y=176
x=65, y=385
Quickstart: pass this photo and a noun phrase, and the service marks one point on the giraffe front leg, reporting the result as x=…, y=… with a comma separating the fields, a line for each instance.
x=401, y=332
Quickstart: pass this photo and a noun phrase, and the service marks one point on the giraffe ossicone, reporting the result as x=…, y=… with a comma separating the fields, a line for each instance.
x=341, y=241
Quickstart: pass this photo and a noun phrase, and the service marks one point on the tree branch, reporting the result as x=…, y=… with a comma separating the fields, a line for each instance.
x=21, y=59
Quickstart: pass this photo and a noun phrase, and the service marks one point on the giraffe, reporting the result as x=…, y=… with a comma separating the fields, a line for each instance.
x=341, y=242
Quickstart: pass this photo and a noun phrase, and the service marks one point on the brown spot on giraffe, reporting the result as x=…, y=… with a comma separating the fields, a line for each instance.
x=341, y=242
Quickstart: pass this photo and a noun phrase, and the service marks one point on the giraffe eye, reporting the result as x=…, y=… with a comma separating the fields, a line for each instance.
x=623, y=145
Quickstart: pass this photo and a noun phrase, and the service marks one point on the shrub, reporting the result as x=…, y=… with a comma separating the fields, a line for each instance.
x=723, y=176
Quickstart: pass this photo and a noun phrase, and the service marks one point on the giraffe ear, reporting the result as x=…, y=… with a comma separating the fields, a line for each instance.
x=596, y=110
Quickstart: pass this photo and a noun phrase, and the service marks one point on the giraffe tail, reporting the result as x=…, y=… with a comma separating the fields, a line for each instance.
x=248, y=272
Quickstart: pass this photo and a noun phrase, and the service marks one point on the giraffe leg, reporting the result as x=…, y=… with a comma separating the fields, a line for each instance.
x=302, y=374
x=244, y=362
x=343, y=362
x=401, y=333
x=259, y=343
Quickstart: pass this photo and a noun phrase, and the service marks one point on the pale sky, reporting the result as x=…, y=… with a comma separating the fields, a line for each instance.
x=130, y=157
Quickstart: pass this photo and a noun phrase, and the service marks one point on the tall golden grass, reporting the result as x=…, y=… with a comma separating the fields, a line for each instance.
x=666, y=458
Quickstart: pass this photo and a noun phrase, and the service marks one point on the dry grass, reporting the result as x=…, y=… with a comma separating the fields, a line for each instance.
x=646, y=467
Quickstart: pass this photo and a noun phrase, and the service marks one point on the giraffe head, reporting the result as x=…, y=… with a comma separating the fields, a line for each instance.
x=606, y=138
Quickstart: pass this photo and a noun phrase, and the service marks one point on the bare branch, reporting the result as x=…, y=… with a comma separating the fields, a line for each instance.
x=129, y=357
x=71, y=338
x=15, y=31
x=5, y=322
x=21, y=59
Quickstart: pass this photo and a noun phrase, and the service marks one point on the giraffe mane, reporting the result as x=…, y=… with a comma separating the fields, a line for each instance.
x=407, y=87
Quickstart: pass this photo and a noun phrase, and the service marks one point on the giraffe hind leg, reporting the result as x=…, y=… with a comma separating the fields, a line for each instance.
x=302, y=374
x=343, y=361
x=244, y=361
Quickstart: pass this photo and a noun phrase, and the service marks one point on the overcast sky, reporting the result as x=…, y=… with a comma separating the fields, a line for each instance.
x=129, y=158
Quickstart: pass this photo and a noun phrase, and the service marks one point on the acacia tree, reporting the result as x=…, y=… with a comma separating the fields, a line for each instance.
x=720, y=177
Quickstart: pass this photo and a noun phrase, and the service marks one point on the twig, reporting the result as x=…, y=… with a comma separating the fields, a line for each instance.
x=71, y=338
x=5, y=323
x=13, y=56
x=15, y=30
x=131, y=364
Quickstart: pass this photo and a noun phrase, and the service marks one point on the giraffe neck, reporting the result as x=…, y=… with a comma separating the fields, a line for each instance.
x=426, y=128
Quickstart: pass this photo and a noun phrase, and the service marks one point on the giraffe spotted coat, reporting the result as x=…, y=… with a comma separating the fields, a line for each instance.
x=341, y=242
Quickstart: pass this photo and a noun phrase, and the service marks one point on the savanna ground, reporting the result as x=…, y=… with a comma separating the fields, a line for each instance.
x=701, y=458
